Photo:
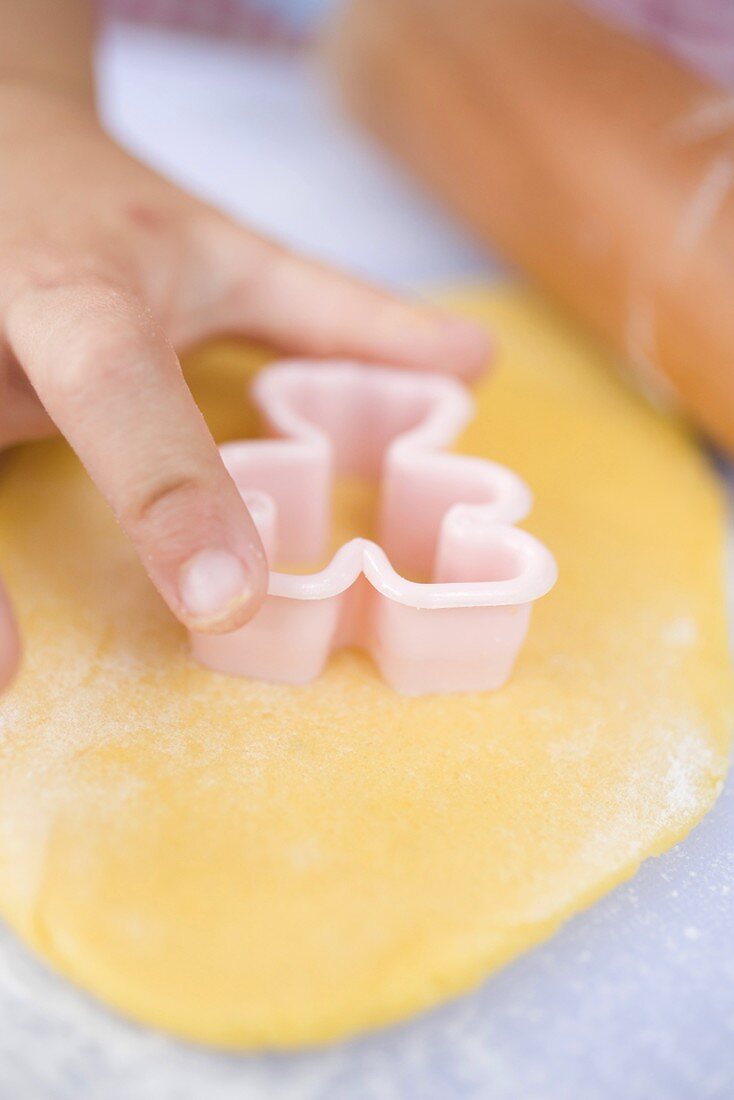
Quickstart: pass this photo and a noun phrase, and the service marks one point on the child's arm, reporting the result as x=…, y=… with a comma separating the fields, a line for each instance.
x=49, y=43
x=597, y=163
x=105, y=268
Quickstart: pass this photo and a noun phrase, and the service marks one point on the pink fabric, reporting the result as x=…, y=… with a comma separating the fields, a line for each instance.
x=700, y=32
x=255, y=20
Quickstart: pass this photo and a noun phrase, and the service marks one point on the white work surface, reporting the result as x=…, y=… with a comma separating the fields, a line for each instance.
x=634, y=999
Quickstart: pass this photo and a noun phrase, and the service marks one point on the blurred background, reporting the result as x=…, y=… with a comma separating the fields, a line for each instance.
x=589, y=143
x=246, y=118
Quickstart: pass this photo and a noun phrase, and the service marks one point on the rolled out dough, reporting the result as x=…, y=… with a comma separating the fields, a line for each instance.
x=250, y=864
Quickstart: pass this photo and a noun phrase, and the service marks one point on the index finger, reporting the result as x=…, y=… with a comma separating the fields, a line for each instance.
x=111, y=382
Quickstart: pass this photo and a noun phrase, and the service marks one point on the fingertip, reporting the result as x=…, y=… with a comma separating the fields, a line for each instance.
x=432, y=341
x=219, y=591
x=464, y=348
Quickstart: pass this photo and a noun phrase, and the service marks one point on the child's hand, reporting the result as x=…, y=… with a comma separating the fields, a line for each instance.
x=105, y=268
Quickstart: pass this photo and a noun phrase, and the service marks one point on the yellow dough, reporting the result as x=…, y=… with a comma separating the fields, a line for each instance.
x=251, y=864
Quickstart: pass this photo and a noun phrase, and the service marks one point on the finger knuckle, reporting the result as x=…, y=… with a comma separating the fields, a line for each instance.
x=82, y=371
x=103, y=346
x=166, y=505
x=38, y=264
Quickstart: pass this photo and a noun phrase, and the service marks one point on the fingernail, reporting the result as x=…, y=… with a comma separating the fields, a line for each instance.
x=212, y=584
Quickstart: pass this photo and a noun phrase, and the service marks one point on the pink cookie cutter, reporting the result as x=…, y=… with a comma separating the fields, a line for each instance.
x=442, y=516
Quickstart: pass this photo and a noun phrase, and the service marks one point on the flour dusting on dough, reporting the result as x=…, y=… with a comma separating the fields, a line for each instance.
x=254, y=864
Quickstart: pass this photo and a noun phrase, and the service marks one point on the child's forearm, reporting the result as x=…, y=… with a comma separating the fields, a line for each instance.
x=595, y=163
x=48, y=43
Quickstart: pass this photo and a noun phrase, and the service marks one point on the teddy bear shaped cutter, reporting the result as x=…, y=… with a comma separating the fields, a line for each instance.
x=446, y=518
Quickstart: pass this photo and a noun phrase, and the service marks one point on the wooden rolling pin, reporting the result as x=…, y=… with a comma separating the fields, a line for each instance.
x=600, y=166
